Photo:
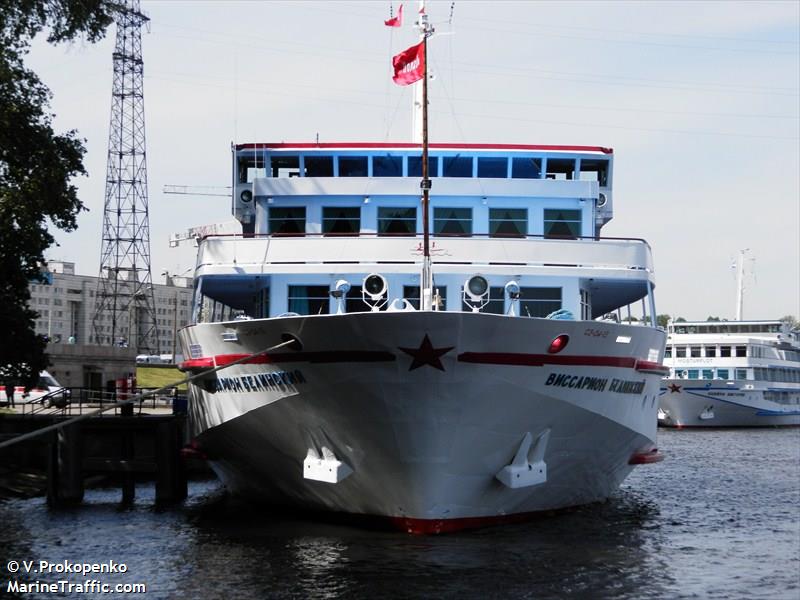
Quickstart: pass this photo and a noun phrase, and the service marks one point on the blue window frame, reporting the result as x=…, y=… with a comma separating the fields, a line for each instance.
x=387, y=166
x=309, y=299
x=493, y=166
x=526, y=168
x=457, y=166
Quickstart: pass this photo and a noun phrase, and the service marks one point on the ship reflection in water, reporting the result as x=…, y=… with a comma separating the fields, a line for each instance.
x=717, y=518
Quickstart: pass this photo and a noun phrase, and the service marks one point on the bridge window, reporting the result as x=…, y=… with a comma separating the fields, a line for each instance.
x=693, y=373
x=496, y=304
x=741, y=351
x=560, y=223
x=539, y=301
x=341, y=220
x=397, y=221
x=594, y=170
x=493, y=166
x=251, y=167
x=526, y=168
x=353, y=166
x=741, y=373
x=668, y=352
x=725, y=351
x=722, y=373
x=285, y=166
x=308, y=299
x=508, y=222
x=680, y=351
x=457, y=166
x=711, y=351
x=560, y=168
x=289, y=220
x=707, y=374
x=319, y=166
x=415, y=166
x=452, y=221
x=387, y=166
x=694, y=351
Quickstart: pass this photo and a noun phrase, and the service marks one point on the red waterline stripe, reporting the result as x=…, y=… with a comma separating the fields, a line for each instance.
x=539, y=360
x=312, y=357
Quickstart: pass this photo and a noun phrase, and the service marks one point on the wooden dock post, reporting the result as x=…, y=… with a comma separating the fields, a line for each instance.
x=64, y=467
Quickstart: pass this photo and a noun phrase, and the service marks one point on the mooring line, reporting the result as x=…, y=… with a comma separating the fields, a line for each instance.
x=136, y=398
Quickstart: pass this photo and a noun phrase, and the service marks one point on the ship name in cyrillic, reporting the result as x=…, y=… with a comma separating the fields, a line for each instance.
x=595, y=384
x=259, y=382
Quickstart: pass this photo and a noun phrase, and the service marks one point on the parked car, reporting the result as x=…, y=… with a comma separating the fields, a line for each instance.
x=46, y=384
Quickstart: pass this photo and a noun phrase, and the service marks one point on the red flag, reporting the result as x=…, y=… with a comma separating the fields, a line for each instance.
x=409, y=65
x=395, y=21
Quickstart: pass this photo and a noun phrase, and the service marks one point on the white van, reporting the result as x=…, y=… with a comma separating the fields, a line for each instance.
x=44, y=385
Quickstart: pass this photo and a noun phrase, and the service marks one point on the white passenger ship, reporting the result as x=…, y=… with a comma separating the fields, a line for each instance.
x=409, y=330
x=731, y=374
x=471, y=411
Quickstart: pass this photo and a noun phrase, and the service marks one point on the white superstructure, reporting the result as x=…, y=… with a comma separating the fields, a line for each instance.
x=512, y=395
x=731, y=374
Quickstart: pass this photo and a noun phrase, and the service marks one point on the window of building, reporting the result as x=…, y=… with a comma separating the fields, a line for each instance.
x=452, y=221
x=711, y=351
x=508, y=222
x=680, y=351
x=722, y=373
x=341, y=220
x=741, y=351
x=387, y=166
x=411, y=293
x=526, y=168
x=308, y=299
x=741, y=373
x=319, y=166
x=290, y=220
x=493, y=166
x=284, y=166
x=353, y=166
x=415, y=166
x=397, y=221
x=694, y=351
x=496, y=304
x=561, y=223
x=560, y=168
x=457, y=166
x=539, y=301
x=725, y=351
x=707, y=374
x=594, y=170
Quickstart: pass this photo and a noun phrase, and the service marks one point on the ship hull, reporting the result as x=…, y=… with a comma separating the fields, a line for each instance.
x=424, y=410
x=715, y=403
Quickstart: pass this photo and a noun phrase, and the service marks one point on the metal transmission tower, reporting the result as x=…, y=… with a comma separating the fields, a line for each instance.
x=125, y=313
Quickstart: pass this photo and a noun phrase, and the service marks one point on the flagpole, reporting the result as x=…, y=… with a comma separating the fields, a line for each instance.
x=426, y=300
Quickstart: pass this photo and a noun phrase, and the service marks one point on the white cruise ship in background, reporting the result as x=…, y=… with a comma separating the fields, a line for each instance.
x=731, y=374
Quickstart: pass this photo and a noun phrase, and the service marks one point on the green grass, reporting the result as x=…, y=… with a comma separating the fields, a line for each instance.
x=157, y=376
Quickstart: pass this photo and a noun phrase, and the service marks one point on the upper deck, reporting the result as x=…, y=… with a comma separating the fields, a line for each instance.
x=550, y=190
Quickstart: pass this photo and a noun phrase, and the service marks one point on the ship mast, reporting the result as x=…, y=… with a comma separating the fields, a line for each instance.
x=740, y=284
x=426, y=287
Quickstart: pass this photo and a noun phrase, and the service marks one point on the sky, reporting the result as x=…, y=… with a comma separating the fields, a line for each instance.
x=699, y=100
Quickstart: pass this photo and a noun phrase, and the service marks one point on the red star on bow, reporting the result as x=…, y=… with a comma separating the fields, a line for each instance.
x=674, y=387
x=426, y=354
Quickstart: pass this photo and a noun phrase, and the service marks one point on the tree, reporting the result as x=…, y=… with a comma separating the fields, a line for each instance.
x=790, y=321
x=663, y=320
x=36, y=167
x=713, y=319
